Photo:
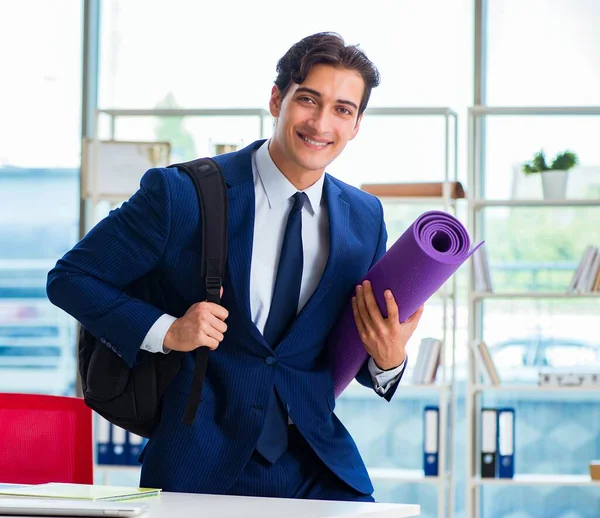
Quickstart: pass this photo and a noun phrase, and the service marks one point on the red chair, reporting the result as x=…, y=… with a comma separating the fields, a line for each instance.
x=45, y=439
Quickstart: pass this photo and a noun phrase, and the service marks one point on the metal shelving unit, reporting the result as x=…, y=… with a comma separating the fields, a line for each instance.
x=476, y=204
x=527, y=479
x=444, y=388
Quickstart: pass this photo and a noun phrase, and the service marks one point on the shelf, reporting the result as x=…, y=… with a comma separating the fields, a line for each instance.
x=477, y=295
x=480, y=203
x=420, y=200
x=356, y=391
x=534, y=110
x=425, y=388
x=539, y=480
x=402, y=475
x=531, y=388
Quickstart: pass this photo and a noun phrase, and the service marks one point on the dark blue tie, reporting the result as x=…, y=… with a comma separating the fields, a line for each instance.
x=273, y=439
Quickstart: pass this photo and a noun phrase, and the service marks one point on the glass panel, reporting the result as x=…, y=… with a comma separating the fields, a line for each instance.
x=512, y=141
x=203, y=66
x=543, y=53
x=538, y=249
x=555, y=434
x=191, y=137
x=527, y=336
x=39, y=189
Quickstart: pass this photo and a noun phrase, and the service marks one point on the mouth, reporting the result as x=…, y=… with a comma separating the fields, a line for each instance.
x=314, y=143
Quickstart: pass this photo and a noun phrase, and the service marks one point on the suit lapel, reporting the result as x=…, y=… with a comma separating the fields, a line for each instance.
x=237, y=168
x=240, y=227
x=339, y=212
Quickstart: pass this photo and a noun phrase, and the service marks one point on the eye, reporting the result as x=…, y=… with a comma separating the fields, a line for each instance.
x=344, y=111
x=305, y=99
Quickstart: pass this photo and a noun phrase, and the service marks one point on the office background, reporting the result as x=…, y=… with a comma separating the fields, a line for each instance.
x=135, y=54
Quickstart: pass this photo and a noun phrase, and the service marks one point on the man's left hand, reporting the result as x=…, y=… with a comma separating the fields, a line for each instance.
x=384, y=339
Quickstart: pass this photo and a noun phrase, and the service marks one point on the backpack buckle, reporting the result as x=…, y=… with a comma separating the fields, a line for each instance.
x=213, y=285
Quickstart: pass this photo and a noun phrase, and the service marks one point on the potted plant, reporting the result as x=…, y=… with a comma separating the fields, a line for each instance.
x=554, y=176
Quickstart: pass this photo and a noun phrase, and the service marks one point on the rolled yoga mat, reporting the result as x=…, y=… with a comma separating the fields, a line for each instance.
x=414, y=268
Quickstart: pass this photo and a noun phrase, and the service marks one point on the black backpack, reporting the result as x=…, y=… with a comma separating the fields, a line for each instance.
x=131, y=398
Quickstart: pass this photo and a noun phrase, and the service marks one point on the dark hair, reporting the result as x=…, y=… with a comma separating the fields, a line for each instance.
x=325, y=48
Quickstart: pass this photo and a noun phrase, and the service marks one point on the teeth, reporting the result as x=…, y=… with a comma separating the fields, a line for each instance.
x=313, y=142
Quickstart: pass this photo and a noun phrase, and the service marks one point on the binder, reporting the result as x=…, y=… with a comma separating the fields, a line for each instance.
x=103, y=442
x=431, y=441
x=135, y=444
x=489, y=439
x=119, y=440
x=432, y=361
x=506, y=442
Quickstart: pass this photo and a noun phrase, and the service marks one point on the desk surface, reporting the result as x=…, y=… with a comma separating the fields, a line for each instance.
x=175, y=505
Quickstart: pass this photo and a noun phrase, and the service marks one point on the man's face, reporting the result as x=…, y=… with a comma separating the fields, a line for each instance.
x=315, y=120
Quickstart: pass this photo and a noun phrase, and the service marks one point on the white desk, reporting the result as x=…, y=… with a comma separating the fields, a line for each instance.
x=175, y=505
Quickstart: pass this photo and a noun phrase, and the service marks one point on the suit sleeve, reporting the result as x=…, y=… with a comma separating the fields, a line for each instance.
x=89, y=281
x=364, y=376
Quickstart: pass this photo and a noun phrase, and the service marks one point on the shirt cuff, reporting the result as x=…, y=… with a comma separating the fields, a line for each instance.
x=154, y=340
x=383, y=380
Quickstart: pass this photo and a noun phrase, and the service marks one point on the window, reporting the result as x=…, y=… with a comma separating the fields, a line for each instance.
x=542, y=53
x=39, y=188
x=182, y=56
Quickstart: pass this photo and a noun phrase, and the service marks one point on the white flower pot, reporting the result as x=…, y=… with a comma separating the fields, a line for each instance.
x=554, y=185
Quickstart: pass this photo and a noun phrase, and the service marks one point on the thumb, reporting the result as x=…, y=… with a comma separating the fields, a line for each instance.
x=221, y=295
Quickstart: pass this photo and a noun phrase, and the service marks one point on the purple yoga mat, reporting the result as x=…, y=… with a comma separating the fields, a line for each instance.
x=414, y=268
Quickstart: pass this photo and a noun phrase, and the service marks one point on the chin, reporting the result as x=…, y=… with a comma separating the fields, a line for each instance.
x=312, y=165
x=313, y=161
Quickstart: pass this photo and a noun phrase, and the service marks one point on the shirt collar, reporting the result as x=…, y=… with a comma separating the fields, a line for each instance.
x=278, y=188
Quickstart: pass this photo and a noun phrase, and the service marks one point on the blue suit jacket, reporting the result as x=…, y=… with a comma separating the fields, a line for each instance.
x=157, y=234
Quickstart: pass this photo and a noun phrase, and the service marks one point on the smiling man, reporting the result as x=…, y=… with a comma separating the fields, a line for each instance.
x=299, y=243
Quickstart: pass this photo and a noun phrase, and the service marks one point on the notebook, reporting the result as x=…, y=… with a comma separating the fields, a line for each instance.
x=80, y=492
x=42, y=507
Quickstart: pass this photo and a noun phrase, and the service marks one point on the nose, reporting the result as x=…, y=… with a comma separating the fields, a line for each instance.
x=319, y=122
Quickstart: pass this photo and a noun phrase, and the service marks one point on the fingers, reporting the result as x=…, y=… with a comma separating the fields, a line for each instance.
x=213, y=330
x=371, y=304
x=217, y=324
x=392, y=307
x=211, y=343
x=215, y=309
x=416, y=316
x=361, y=305
x=360, y=325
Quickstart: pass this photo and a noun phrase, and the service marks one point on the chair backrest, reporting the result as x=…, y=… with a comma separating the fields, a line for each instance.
x=45, y=439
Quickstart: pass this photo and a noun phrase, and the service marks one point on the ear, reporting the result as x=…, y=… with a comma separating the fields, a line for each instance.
x=275, y=101
x=356, y=126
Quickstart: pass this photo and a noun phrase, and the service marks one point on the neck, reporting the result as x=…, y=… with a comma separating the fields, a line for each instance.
x=299, y=177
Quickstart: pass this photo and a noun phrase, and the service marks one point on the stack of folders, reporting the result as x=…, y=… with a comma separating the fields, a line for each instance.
x=117, y=446
x=481, y=269
x=485, y=363
x=428, y=361
x=586, y=278
x=497, y=443
x=80, y=492
x=431, y=440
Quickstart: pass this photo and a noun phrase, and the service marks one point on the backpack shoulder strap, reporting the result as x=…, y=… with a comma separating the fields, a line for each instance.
x=212, y=198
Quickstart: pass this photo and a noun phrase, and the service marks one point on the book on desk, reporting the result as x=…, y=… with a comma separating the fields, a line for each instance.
x=80, y=492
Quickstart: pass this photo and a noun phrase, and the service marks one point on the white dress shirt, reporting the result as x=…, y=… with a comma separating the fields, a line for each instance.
x=273, y=201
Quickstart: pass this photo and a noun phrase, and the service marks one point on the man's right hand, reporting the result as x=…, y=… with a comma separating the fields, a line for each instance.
x=202, y=326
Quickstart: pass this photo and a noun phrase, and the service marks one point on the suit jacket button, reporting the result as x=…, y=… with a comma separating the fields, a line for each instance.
x=270, y=360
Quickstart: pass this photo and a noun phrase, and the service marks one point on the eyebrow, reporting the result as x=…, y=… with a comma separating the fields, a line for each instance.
x=317, y=94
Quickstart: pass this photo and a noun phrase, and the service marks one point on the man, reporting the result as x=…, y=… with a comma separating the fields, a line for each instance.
x=299, y=242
